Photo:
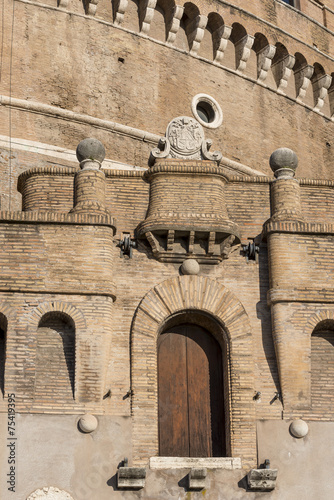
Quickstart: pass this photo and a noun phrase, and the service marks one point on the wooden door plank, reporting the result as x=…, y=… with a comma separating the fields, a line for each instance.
x=198, y=393
x=172, y=390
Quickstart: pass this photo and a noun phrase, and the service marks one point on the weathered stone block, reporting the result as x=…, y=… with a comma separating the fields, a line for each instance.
x=131, y=478
x=262, y=479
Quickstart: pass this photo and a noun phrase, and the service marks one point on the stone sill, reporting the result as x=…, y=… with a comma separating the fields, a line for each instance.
x=192, y=463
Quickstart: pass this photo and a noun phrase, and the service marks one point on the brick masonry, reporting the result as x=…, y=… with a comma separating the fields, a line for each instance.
x=79, y=320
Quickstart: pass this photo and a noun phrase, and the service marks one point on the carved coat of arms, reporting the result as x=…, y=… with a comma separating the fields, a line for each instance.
x=185, y=136
x=185, y=140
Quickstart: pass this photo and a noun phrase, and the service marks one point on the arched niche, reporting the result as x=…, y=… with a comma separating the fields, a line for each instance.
x=198, y=297
x=55, y=358
x=322, y=368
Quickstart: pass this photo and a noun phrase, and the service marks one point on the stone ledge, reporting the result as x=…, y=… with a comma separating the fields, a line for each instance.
x=297, y=227
x=58, y=218
x=313, y=295
x=195, y=463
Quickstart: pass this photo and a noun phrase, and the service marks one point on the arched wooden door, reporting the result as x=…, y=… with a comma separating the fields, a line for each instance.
x=190, y=390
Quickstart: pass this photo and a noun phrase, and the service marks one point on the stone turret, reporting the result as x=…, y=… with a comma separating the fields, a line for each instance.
x=187, y=215
x=89, y=183
x=285, y=189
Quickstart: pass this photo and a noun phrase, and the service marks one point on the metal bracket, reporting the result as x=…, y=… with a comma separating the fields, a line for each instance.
x=251, y=250
x=126, y=246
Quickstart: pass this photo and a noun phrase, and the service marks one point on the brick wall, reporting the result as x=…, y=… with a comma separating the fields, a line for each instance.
x=322, y=375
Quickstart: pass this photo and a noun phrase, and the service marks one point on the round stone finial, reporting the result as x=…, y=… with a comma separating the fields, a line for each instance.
x=299, y=428
x=88, y=423
x=91, y=149
x=190, y=266
x=283, y=162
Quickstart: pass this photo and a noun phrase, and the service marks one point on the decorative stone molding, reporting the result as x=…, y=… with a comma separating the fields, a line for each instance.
x=264, y=61
x=50, y=493
x=199, y=295
x=262, y=479
x=320, y=90
x=175, y=24
x=220, y=38
x=243, y=51
x=131, y=478
x=297, y=227
x=195, y=33
x=146, y=13
x=302, y=79
x=282, y=72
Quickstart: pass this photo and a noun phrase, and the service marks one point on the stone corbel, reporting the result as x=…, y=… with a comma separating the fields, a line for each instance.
x=226, y=247
x=242, y=52
x=119, y=8
x=146, y=13
x=220, y=38
x=63, y=3
x=282, y=72
x=320, y=90
x=91, y=7
x=195, y=33
x=196, y=479
x=132, y=478
x=264, y=61
x=175, y=24
x=262, y=479
x=303, y=78
x=153, y=242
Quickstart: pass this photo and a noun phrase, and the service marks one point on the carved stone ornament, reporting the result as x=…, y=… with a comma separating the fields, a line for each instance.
x=50, y=493
x=185, y=140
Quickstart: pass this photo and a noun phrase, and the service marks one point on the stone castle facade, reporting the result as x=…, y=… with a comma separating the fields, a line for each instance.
x=166, y=249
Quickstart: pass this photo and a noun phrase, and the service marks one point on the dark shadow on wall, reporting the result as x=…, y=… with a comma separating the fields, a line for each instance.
x=264, y=315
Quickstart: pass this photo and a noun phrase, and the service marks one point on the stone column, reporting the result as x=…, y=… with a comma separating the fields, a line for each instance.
x=89, y=182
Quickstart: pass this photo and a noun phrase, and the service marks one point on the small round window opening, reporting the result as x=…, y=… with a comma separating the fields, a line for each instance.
x=207, y=111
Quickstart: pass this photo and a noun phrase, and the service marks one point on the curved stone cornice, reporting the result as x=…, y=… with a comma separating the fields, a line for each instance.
x=188, y=167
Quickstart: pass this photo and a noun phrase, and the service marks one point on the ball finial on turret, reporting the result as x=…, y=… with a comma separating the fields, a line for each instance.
x=283, y=163
x=90, y=150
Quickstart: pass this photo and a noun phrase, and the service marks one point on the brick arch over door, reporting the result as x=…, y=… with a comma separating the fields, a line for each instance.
x=165, y=300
